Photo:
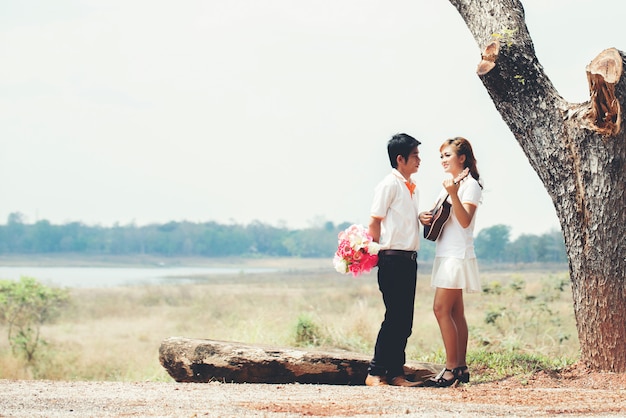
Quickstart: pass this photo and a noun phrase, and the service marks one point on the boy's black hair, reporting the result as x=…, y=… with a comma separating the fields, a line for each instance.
x=400, y=144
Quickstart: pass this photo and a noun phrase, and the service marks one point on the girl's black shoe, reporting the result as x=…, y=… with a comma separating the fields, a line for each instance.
x=462, y=374
x=439, y=381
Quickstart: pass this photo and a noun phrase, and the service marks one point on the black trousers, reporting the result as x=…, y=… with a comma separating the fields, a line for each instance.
x=397, y=277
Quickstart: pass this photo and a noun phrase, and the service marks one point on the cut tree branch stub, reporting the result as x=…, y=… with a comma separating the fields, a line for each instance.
x=603, y=73
x=489, y=57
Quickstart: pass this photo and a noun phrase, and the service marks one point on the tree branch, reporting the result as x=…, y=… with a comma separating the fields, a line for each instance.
x=519, y=88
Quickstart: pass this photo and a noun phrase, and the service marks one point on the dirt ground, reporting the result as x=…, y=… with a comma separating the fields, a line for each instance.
x=574, y=392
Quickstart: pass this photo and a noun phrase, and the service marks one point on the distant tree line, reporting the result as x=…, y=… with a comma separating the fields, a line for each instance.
x=210, y=239
x=494, y=245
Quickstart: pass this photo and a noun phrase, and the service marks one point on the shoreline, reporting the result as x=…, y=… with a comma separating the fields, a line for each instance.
x=106, y=260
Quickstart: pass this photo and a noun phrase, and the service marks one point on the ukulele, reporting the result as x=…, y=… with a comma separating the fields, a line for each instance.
x=441, y=212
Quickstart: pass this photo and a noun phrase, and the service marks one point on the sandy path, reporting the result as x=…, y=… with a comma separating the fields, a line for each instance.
x=150, y=399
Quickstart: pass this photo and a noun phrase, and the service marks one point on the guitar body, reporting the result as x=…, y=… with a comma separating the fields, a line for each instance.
x=441, y=214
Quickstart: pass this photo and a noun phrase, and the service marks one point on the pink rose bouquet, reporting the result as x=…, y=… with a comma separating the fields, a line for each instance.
x=356, y=252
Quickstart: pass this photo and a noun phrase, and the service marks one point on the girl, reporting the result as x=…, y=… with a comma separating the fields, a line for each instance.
x=455, y=267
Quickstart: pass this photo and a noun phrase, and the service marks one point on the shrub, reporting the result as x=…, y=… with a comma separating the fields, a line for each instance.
x=24, y=306
x=307, y=332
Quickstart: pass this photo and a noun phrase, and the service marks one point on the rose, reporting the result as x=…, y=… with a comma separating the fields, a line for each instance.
x=373, y=248
x=340, y=264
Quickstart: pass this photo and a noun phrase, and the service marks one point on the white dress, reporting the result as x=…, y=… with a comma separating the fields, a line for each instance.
x=455, y=265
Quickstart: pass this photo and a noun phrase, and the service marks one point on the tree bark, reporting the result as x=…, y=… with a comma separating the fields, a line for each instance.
x=201, y=361
x=579, y=153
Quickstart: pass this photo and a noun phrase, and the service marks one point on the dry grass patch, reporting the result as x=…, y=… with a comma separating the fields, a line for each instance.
x=115, y=334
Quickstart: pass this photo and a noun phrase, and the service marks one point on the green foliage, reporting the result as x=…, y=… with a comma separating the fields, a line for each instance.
x=256, y=239
x=490, y=244
x=208, y=239
x=493, y=245
x=506, y=35
x=24, y=306
x=307, y=332
x=488, y=366
x=502, y=364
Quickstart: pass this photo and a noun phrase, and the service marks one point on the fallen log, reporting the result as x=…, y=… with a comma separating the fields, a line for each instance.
x=202, y=361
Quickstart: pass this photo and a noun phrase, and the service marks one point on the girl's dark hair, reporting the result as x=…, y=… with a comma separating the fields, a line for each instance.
x=400, y=144
x=463, y=147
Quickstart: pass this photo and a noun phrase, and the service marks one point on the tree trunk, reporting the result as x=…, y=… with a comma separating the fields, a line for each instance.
x=201, y=361
x=579, y=153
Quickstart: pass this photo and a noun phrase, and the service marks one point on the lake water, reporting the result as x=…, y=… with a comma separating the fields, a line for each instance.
x=97, y=277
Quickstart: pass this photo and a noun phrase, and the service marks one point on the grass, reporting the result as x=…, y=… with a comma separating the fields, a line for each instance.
x=523, y=321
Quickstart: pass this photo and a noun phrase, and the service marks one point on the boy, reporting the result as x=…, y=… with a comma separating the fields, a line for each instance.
x=395, y=226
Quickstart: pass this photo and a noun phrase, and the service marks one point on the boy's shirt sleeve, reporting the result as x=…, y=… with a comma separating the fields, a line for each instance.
x=384, y=194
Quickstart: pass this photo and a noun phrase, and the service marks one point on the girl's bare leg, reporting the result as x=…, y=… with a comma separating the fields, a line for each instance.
x=445, y=304
x=458, y=316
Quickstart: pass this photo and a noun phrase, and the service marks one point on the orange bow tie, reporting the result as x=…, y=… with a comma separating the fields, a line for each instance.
x=410, y=186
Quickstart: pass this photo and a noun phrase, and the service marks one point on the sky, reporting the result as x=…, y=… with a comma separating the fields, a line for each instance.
x=276, y=111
